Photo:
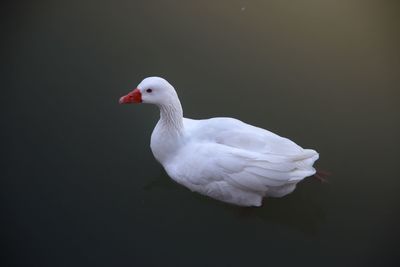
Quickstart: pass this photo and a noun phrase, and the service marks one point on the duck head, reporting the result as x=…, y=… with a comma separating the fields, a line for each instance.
x=152, y=90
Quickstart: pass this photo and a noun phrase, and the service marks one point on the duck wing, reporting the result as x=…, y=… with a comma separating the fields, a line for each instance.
x=248, y=157
x=262, y=173
x=235, y=133
x=218, y=170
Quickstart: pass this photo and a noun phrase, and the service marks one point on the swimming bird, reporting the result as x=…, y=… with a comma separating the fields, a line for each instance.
x=223, y=158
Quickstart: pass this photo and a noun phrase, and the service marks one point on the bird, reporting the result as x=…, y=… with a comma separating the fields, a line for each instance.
x=221, y=157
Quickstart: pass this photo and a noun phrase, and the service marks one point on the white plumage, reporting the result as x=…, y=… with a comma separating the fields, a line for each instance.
x=223, y=158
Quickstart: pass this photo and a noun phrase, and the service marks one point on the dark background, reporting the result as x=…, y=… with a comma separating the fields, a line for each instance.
x=80, y=187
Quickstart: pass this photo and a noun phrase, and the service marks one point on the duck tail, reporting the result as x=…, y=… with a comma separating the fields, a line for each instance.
x=306, y=159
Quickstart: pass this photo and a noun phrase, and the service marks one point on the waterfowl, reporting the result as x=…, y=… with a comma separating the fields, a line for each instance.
x=223, y=158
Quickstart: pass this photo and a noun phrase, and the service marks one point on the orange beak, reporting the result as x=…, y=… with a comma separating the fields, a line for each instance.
x=133, y=97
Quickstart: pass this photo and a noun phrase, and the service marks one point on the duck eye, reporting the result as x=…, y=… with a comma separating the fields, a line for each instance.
x=149, y=90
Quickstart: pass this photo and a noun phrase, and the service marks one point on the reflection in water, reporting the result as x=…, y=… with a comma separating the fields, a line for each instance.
x=297, y=211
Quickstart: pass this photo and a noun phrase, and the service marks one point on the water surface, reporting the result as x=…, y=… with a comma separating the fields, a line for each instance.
x=80, y=187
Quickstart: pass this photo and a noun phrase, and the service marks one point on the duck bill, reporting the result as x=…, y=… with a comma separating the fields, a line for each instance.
x=133, y=97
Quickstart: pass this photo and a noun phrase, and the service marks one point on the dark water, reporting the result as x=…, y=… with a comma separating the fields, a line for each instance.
x=80, y=187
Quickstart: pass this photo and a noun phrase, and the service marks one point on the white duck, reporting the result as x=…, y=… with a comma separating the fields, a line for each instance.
x=223, y=158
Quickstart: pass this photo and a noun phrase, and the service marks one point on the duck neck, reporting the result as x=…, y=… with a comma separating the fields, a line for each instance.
x=171, y=117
